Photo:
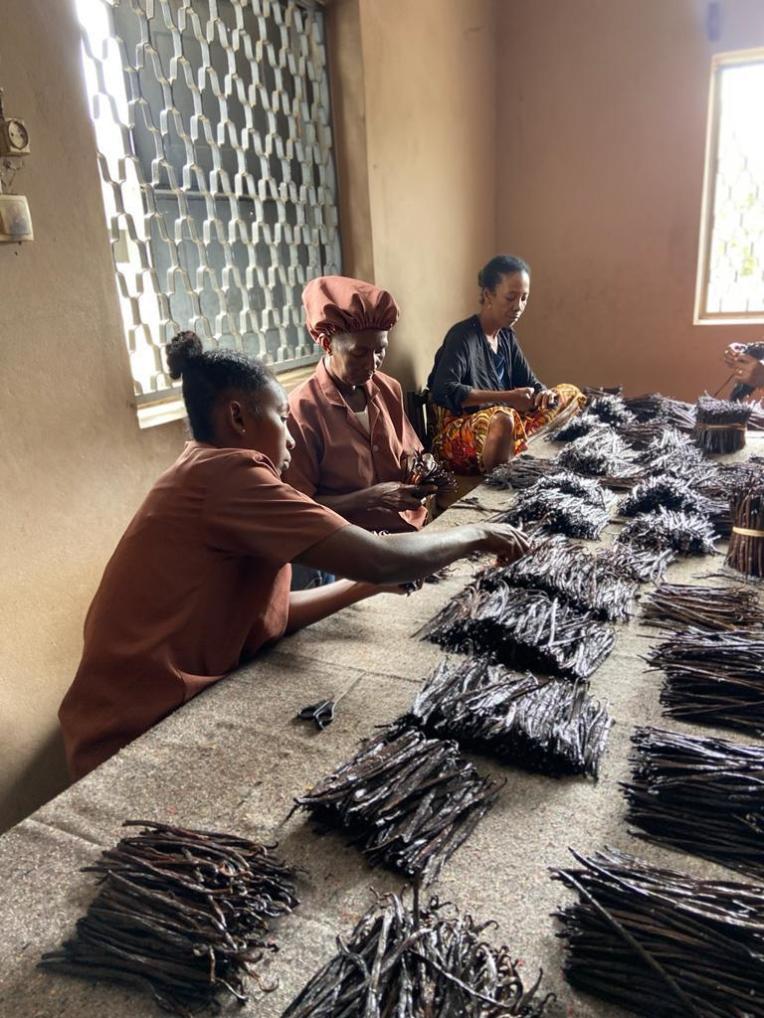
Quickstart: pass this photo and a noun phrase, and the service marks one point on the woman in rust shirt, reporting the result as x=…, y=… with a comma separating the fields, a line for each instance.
x=352, y=437
x=200, y=579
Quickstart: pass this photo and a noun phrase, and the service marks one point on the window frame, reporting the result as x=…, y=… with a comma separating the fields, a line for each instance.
x=719, y=62
x=158, y=406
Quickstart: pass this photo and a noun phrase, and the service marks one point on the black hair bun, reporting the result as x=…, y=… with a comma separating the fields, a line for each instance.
x=181, y=350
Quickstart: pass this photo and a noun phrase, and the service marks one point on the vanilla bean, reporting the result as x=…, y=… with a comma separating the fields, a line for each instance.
x=678, y=606
x=720, y=424
x=746, y=547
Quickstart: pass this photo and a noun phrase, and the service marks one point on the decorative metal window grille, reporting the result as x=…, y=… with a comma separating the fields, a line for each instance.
x=213, y=130
x=731, y=263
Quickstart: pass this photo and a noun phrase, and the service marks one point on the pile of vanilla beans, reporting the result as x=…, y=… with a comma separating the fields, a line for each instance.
x=658, y=942
x=699, y=795
x=522, y=628
x=407, y=801
x=720, y=424
x=562, y=503
x=746, y=547
x=681, y=606
x=407, y=963
x=550, y=726
x=182, y=914
x=713, y=678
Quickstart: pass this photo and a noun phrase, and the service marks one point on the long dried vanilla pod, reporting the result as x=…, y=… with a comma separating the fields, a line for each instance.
x=756, y=420
x=601, y=453
x=183, y=914
x=566, y=570
x=720, y=424
x=661, y=943
x=407, y=801
x=540, y=724
x=686, y=533
x=746, y=547
x=713, y=678
x=700, y=795
x=680, y=606
x=521, y=472
x=411, y=963
x=522, y=629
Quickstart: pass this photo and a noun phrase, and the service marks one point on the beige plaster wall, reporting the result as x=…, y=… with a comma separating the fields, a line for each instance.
x=601, y=132
x=73, y=463
x=430, y=112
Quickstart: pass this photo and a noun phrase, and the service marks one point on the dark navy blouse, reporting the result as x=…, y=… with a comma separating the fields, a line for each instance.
x=465, y=361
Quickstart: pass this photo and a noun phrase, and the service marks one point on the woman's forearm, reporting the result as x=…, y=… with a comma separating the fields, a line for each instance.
x=394, y=558
x=309, y=606
x=477, y=397
x=350, y=502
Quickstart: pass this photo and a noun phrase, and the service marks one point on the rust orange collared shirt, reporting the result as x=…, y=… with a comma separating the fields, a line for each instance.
x=335, y=455
x=197, y=584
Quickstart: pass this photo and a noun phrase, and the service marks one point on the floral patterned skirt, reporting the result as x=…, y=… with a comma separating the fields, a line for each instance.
x=459, y=440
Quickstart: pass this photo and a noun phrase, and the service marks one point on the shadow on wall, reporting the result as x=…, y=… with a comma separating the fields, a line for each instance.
x=48, y=759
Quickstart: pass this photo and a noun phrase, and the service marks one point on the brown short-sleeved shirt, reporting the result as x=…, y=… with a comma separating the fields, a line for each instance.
x=334, y=455
x=198, y=583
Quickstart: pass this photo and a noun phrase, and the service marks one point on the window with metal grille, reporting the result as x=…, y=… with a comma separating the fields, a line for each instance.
x=731, y=263
x=213, y=131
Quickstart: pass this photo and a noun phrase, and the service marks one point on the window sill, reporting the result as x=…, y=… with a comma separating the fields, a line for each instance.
x=740, y=319
x=164, y=411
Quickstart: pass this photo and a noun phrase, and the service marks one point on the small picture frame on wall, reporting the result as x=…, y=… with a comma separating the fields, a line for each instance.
x=15, y=219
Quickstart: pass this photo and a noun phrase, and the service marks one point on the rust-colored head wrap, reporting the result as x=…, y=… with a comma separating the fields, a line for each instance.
x=340, y=304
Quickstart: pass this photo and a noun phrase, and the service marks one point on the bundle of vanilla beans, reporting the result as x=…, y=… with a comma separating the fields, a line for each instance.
x=672, y=412
x=600, y=453
x=746, y=548
x=661, y=943
x=521, y=472
x=679, y=606
x=424, y=469
x=720, y=424
x=562, y=503
x=666, y=491
x=699, y=795
x=612, y=410
x=577, y=427
x=640, y=564
x=540, y=724
x=407, y=801
x=684, y=532
x=713, y=678
x=566, y=570
x=675, y=453
x=522, y=629
x=405, y=963
x=182, y=914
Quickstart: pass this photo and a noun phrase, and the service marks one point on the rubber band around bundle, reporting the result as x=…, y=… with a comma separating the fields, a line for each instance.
x=745, y=532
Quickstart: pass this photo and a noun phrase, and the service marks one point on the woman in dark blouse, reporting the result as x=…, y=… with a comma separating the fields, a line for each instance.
x=487, y=399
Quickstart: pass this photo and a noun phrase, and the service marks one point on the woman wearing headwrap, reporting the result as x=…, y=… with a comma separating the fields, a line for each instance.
x=352, y=437
x=488, y=401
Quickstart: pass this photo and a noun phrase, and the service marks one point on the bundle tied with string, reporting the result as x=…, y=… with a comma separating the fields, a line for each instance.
x=720, y=424
x=746, y=547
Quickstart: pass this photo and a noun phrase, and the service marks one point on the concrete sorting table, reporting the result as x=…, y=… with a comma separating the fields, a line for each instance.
x=233, y=758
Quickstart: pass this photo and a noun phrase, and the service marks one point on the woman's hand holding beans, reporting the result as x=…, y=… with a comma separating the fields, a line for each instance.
x=397, y=496
x=749, y=370
x=507, y=542
x=519, y=399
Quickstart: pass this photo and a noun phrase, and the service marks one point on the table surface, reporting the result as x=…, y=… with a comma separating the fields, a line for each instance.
x=233, y=759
